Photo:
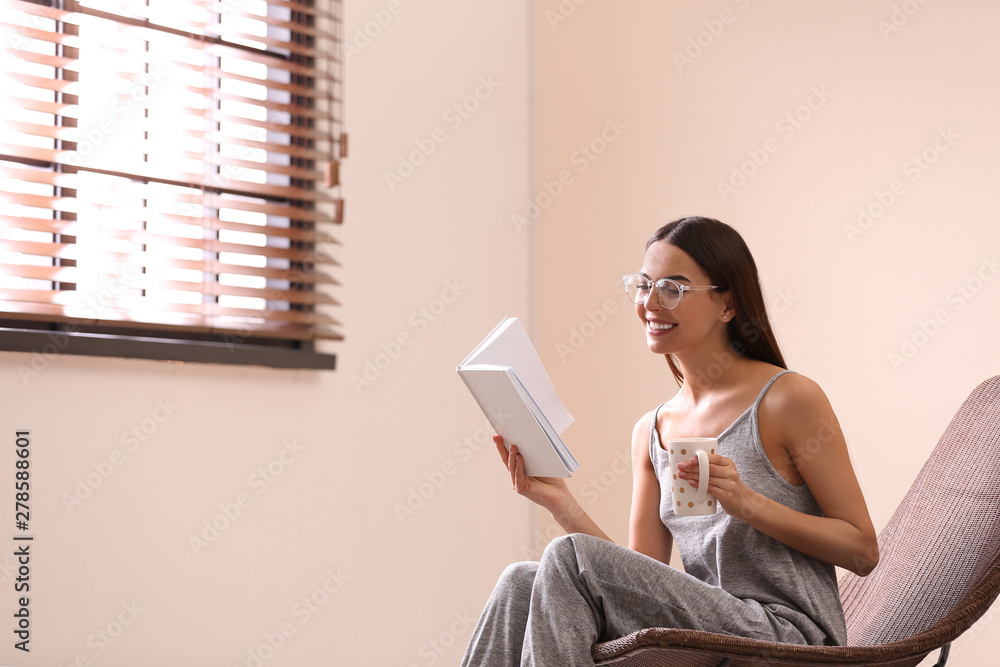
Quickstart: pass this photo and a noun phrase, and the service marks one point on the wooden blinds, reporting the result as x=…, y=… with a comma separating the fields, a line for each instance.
x=171, y=165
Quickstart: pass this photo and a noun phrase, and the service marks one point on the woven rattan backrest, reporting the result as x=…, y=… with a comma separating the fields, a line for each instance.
x=943, y=535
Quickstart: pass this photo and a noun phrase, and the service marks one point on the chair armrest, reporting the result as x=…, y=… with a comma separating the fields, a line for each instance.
x=719, y=646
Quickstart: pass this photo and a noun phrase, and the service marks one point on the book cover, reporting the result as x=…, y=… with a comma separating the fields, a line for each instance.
x=509, y=383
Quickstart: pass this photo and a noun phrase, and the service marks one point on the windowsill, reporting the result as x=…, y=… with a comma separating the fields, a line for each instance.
x=48, y=343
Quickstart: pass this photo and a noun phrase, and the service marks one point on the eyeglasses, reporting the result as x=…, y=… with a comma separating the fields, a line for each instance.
x=669, y=292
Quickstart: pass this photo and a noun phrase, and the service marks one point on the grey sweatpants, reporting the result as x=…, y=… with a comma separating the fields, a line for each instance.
x=585, y=589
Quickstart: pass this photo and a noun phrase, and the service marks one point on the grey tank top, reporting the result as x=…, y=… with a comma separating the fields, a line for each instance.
x=728, y=552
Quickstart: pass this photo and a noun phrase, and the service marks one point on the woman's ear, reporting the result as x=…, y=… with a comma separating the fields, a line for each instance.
x=730, y=309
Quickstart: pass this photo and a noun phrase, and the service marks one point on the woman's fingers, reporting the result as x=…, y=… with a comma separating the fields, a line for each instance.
x=533, y=488
x=719, y=468
x=498, y=440
x=512, y=466
x=724, y=479
x=514, y=463
x=516, y=469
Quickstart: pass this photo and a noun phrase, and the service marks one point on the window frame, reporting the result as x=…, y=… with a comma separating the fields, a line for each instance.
x=44, y=337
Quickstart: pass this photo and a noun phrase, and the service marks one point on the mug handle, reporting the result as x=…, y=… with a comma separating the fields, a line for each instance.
x=702, y=494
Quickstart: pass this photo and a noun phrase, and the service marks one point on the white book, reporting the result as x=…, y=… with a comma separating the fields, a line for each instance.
x=506, y=377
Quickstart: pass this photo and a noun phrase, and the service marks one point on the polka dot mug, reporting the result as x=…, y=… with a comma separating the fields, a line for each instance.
x=688, y=501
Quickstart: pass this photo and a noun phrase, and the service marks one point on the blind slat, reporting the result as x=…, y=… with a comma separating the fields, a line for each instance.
x=73, y=251
x=55, y=108
x=50, y=225
x=74, y=227
x=42, y=58
x=42, y=83
x=65, y=274
x=21, y=33
x=66, y=204
x=144, y=282
x=146, y=308
x=73, y=274
x=73, y=134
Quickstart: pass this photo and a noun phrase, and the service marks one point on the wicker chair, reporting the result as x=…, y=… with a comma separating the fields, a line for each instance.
x=939, y=569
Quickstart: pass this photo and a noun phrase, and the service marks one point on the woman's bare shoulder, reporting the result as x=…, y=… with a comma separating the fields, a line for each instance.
x=641, y=433
x=794, y=391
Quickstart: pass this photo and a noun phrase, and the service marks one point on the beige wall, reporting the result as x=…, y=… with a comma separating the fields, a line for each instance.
x=391, y=587
x=864, y=98
x=383, y=514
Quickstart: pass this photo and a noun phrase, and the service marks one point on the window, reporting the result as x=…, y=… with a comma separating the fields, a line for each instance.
x=169, y=178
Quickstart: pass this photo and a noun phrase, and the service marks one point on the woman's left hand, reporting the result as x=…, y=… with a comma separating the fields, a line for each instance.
x=724, y=484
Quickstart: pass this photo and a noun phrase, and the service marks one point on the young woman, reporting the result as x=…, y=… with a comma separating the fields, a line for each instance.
x=790, y=505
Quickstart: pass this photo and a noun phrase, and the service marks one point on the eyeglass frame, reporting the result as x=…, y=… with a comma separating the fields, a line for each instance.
x=681, y=288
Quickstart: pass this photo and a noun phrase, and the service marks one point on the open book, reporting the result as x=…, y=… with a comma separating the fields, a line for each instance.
x=507, y=379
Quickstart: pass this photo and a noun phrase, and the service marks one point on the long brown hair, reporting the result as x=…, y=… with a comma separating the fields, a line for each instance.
x=723, y=255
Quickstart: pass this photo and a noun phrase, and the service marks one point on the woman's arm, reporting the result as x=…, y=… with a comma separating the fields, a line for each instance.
x=646, y=532
x=549, y=492
x=810, y=436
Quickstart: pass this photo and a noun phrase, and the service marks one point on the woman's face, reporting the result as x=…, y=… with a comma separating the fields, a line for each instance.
x=697, y=314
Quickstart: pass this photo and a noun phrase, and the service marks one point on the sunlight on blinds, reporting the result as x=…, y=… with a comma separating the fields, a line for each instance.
x=170, y=156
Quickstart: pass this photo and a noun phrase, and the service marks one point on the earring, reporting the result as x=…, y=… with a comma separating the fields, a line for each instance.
x=725, y=317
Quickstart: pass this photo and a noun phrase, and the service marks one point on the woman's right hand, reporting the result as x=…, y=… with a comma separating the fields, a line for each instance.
x=549, y=492
x=552, y=493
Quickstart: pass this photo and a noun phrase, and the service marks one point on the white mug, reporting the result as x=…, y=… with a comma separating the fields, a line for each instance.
x=689, y=501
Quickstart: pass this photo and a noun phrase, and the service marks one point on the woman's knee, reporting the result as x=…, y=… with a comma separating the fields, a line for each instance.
x=518, y=575
x=579, y=553
x=567, y=551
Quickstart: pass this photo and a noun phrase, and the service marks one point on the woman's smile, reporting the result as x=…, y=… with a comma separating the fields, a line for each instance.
x=659, y=327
